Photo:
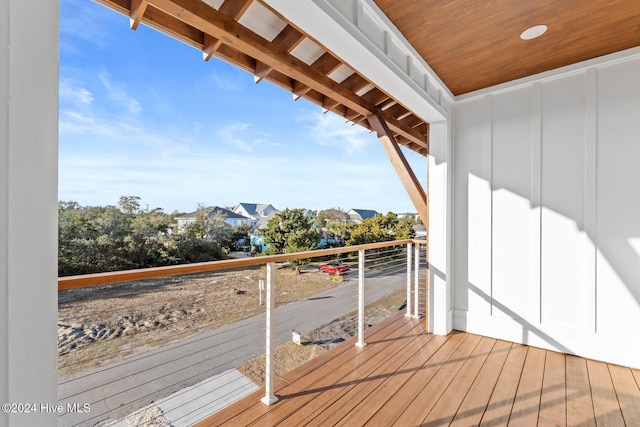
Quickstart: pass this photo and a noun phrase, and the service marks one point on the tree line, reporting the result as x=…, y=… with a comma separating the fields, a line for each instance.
x=94, y=239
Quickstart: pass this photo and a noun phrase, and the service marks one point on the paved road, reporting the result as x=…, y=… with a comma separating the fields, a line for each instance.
x=123, y=387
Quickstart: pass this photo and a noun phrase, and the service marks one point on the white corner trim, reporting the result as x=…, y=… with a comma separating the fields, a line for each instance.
x=359, y=34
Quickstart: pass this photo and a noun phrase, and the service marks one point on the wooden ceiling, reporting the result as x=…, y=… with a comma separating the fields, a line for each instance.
x=249, y=35
x=474, y=44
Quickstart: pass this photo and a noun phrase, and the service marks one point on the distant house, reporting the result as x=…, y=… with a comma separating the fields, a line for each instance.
x=231, y=218
x=410, y=215
x=359, y=215
x=259, y=213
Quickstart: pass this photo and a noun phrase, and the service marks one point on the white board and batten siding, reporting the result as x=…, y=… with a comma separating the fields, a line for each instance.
x=547, y=212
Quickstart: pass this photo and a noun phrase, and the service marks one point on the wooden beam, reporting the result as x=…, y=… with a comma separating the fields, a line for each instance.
x=234, y=9
x=401, y=165
x=328, y=104
x=262, y=70
x=288, y=38
x=138, y=8
x=194, y=21
x=299, y=90
x=208, y=20
x=211, y=45
x=326, y=64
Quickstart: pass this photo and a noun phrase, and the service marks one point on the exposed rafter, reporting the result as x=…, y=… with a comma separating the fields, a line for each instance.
x=218, y=33
x=137, y=12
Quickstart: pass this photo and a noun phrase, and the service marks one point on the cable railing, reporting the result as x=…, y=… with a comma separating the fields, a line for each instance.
x=172, y=345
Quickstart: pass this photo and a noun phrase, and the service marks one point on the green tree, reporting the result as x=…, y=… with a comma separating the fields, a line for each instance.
x=291, y=231
x=380, y=228
x=129, y=204
x=331, y=215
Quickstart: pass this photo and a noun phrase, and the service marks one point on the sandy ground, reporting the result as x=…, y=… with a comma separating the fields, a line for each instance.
x=289, y=356
x=99, y=325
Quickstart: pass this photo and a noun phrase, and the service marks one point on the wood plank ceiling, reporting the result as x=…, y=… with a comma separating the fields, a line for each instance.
x=475, y=44
x=248, y=34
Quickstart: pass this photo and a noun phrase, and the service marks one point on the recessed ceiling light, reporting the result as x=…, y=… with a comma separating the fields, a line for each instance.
x=533, y=32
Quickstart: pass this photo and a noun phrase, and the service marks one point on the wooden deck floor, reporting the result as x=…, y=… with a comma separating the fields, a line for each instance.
x=405, y=377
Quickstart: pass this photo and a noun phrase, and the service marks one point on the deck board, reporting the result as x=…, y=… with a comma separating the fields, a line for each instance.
x=579, y=403
x=627, y=392
x=504, y=393
x=553, y=403
x=407, y=377
x=475, y=403
x=526, y=405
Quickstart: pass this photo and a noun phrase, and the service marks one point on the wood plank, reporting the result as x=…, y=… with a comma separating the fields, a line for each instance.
x=445, y=409
x=376, y=97
x=326, y=383
x=477, y=399
x=234, y=9
x=579, y=403
x=326, y=64
x=426, y=398
x=526, y=405
x=335, y=413
x=338, y=354
x=399, y=402
x=605, y=402
x=355, y=82
x=553, y=402
x=288, y=38
x=395, y=384
x=624, y=381
x=336, y=402
x=501, y=402
x=475, y=44
x=452, y=381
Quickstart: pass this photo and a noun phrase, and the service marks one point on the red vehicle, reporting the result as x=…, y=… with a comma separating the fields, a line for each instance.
x=334, y=267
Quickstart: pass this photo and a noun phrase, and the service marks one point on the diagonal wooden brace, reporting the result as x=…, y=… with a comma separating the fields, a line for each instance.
x=403, y=169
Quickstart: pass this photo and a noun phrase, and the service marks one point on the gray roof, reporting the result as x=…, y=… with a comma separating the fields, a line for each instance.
x=213, y=210
x=365, y=213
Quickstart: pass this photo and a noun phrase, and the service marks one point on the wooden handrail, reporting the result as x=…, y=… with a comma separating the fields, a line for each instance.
x=95, y=279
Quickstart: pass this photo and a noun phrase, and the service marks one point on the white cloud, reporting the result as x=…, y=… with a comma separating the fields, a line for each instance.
x=223, y=82
x=330, y=130
x=83, y=22
x=118, y=93
x=241, y=136
x=70, y=92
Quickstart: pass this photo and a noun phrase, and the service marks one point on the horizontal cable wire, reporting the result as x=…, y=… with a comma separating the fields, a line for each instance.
x=387, y=262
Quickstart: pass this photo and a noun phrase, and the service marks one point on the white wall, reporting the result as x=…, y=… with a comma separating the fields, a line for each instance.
x=440, y=314
x=547, y=212
x=28, y=208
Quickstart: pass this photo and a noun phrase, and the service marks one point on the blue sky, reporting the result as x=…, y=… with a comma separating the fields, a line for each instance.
x=142, y=114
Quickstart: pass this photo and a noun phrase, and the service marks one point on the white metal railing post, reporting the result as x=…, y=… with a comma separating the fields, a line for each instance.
x=409, y=270
x=416, y=282
x=269, y=396
x=361, y=342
